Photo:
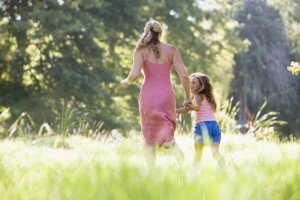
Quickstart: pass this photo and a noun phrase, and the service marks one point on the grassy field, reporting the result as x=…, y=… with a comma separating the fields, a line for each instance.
x=92, y=169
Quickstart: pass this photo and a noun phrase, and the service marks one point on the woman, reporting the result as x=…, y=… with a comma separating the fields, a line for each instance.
x=157, y=101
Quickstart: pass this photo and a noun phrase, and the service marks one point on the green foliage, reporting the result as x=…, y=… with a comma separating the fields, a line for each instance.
x=5, y=114
x=80, y=50
x=56, y=50
x=56, y=57
x=260, y=72
x=263, y=125
x=68, y=119
x=23, y=126
x=289, y=12
x=184, y=124
x=226, y=117
x=268, y=119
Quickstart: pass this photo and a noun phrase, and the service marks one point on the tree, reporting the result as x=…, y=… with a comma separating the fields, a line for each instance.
x=54, y=51
x=260, y=72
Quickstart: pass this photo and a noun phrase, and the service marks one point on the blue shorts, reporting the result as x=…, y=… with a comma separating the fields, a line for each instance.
x=207, y=132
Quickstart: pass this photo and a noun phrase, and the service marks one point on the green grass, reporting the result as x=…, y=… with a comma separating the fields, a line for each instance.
x=92, y=169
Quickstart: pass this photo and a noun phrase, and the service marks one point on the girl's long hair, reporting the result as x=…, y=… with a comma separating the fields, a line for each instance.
x=206, y=89
x=150, y=37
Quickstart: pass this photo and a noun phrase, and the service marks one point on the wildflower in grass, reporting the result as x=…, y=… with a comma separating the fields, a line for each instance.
x=294, y=68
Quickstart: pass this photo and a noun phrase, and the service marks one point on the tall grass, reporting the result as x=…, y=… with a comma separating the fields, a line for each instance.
x=70, y=121
x=227, y=116
x=262, y=125
x=104, y=170
x=4, y=115
x=90, y=168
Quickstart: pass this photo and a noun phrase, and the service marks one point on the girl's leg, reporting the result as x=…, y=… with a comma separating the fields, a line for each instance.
x=175, y=150
x=216, y=154
x=150, y=156
x=198, y=152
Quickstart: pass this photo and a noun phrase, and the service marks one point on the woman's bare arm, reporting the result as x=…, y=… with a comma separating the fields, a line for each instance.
x=135, y=70
x=136, y=67
x=181, y=70
x=197, y=103
x=181, y=110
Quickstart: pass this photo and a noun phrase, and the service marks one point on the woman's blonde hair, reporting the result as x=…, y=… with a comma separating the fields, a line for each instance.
x=206, y=88
x=150, y=37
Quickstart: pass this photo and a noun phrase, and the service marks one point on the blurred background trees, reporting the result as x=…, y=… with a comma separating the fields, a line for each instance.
x=260, y=71
x=75, y=51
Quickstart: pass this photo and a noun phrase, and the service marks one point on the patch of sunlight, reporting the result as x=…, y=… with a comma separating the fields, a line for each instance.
x=207, y=5
x=60, y=2
x=4, y=20
x=206, y=24
x=241, y=149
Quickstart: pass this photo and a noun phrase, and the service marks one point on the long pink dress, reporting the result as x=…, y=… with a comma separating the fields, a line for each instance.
x=157, y=104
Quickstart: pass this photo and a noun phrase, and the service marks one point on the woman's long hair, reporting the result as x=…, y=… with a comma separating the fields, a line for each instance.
x=206, y=88
x=150, y=37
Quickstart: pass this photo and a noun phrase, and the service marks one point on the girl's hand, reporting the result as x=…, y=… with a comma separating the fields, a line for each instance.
x=125, y=83
x=186, y=108
x=189, y=106
x=187, y=102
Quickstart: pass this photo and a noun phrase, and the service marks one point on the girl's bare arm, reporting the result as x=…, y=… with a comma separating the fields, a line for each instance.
x=197, y=103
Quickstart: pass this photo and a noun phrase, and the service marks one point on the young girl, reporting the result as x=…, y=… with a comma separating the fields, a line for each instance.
x=207, y=131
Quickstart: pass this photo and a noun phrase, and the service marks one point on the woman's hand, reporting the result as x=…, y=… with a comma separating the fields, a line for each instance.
x=189, y=106
x=187, y=102
x=187, y=109
x=125, y=83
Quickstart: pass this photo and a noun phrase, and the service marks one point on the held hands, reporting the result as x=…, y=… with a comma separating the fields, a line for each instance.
x=187, y=104
x=125, y=83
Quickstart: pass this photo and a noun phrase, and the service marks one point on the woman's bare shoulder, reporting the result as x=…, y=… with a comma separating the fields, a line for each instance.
x=170, y=46
x=141, y=52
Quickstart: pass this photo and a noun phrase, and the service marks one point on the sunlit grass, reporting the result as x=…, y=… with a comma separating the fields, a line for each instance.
x=92, y=169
